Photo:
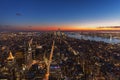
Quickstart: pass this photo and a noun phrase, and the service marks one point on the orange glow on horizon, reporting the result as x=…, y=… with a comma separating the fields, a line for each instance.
x=64, y=28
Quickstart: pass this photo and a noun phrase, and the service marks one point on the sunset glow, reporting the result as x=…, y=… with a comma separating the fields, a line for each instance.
x=63, y=28
x=48, y=15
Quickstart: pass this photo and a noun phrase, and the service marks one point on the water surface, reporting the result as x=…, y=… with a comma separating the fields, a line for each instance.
x=95, y=38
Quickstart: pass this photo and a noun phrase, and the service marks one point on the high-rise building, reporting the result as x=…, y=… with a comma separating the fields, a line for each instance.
x=28, y=55
x=10, y=59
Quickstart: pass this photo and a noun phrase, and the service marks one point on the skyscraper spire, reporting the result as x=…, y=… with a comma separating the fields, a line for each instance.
x=30, y=42
x=29, y=45
x=10, y=57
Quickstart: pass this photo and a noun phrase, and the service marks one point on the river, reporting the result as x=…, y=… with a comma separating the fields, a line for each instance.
x=95, y=38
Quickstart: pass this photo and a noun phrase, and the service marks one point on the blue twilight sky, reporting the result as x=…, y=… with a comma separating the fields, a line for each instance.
x=90, y=13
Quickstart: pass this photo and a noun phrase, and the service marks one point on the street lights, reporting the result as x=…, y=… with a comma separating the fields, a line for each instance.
x=48, y=62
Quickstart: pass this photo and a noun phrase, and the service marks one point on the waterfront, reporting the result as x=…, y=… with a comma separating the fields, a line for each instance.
x=110, y=39
x=56, y=56
x=59, y=39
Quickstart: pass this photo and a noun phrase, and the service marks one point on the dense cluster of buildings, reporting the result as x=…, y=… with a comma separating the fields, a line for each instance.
x=55, y=56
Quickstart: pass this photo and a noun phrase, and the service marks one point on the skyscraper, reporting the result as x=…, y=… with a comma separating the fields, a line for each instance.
x=28, y=55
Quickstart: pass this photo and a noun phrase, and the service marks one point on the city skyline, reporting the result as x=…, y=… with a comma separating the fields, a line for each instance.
x=36, y=15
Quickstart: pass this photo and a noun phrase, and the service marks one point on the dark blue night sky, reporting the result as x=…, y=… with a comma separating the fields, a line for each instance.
x=58, y=12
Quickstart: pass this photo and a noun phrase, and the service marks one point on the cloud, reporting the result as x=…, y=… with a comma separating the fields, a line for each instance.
x=110, y=27
x=6, y=27
x=18, y=14
x=115, y=27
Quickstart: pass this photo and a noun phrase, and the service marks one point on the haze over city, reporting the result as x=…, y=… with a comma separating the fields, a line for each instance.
x=39, y=15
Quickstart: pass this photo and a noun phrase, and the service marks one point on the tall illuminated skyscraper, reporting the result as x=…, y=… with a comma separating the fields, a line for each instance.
x=10, y=59
x=28, y=56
